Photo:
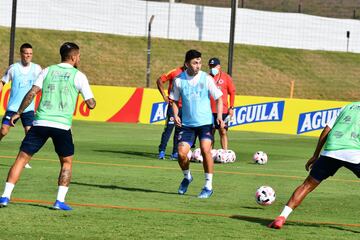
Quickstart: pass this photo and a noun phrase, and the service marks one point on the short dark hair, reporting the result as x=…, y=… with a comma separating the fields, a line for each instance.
x=67, y=49
x=191, y=54
x=25, y=45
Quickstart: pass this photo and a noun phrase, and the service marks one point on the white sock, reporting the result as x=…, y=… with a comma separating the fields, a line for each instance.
x=187, y=174
x=62, y=193
x=208, y=180
x=286, y=212
x=9, y=187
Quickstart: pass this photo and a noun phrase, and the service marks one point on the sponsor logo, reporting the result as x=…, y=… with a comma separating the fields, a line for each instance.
x=262, y=112
x=311, y=121
x=158, y=112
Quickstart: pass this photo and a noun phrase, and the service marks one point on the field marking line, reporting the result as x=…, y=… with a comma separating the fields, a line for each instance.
x=243, y=217
x=194, y=170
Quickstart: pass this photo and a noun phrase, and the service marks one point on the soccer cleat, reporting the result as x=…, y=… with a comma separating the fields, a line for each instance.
x=174, y=156
x=4, y=201
x=277, y=223
x=161, y=155
x=184, y=185
x=205, y=193
x=27, y=166
x=61, y=206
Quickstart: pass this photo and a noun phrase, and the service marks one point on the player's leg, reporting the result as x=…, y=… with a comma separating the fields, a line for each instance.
x=32, y=142
x=206, y=139
x=186, y=138
x=223, y=134
x=27, y=119
x=5, y=124
x=64, y=147
x=321, y=170
x=175, y=155
x=166, y=134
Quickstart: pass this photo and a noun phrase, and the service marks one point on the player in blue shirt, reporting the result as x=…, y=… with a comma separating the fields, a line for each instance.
x=194, y=87
x=22, y=76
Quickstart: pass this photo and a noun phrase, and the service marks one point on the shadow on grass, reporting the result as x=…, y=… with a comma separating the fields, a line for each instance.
x=35, y=205
x=114, y=187
x=127, y=152
x=265, y=222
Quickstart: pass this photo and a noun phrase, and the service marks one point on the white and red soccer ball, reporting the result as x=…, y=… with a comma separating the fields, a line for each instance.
x=265, y=195
x=197, y=156
x=225, y=156
x=260, y=157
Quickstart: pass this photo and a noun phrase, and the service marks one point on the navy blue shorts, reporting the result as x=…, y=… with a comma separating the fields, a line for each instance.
x=188, y=134
x=216, y=125
x=325, y=167
x=38, y=135
x=27, y=118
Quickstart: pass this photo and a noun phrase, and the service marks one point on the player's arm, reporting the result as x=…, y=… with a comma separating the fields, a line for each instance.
x=174, y=98
x=231, y=92
x=217, y=95
x=29, y=97
x=320, y=144
x=1, y=85
x=83, y=86
x=160, y=86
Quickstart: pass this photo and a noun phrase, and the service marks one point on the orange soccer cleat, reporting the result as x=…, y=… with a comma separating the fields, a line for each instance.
x=277, y=223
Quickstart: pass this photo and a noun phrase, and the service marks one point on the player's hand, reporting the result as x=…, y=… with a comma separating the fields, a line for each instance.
x=231, y=112
x=177, y=121
x=14, y=118
x=220, y=122
x=310, y=162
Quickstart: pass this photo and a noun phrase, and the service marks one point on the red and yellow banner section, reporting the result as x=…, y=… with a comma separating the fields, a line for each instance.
x=258, y=114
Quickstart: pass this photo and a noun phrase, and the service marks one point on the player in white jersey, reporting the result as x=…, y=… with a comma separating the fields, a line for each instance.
x=194, y=86
x=22, y=76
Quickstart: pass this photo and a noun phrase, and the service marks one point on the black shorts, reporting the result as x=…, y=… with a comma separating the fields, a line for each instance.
x=27, y=118
x=189, y=134
x=216, y=125
x=38, y=135
x=325, y=167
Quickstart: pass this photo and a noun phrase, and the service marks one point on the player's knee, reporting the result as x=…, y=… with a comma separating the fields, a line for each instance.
x=4, y=131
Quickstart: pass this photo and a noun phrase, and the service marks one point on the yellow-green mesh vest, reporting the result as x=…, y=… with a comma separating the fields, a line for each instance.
x=345, y=134
x=59, y=95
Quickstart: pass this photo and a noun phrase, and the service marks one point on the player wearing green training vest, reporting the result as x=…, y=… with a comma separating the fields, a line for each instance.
x=60, y=86
x=341, y=141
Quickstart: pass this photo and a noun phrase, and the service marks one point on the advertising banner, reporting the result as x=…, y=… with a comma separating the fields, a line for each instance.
x=257, y=114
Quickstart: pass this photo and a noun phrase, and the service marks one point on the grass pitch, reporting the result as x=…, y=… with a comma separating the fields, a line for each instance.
x=120, y=190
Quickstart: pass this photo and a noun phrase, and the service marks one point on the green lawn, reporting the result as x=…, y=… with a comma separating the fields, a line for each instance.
x=258, y=71
x=120, y=190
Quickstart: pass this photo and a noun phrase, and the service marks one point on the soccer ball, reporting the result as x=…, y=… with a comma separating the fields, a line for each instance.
x=260, y=157
x=265, y=195
x=213, y=154
x=189, y=155
x=232, y=155
x=197, y=156
x=221, y=156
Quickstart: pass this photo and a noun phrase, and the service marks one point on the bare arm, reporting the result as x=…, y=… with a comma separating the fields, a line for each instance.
x=219, y=108
x=1, y=85
x=160, y=86
x=177, y=119
x=320, y=144
x=91, y=103
x=29, y=97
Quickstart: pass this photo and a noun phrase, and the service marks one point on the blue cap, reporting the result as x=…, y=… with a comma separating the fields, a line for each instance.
x=214, y=62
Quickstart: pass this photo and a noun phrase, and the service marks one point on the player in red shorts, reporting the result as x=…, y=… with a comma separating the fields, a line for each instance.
x=224, y=82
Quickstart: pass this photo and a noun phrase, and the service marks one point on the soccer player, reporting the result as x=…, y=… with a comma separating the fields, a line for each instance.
x=60, y=86
x=169, y=124
x=224, y=82
x=194, y=87
x=341, y=137
x=22, y=76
